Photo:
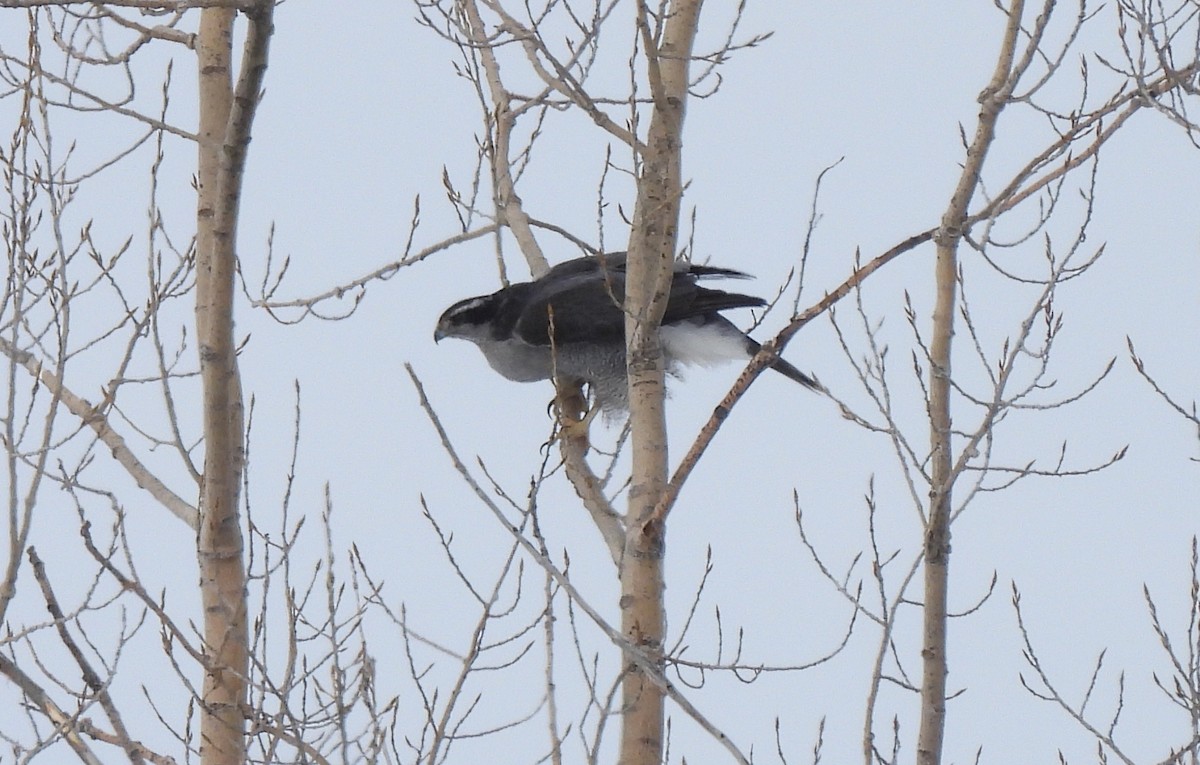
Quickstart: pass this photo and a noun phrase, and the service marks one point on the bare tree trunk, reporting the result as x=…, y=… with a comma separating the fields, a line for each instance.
x=225, y=119
x=651, y=252
x=937, y=532
x=219, y=546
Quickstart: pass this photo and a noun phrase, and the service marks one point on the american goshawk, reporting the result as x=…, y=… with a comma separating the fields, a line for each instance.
x=582, y=300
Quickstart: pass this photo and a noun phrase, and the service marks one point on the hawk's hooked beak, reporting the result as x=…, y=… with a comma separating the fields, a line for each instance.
x=438, y=334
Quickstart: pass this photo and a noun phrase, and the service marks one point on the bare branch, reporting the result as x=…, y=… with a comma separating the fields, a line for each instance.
x=93, y=418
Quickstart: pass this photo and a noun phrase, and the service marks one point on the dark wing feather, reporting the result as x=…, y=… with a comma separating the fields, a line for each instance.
x=586, y=306
x=590, y=265
x=613, y=262
x=689, y=300
x=586, y=295
x=509, y=308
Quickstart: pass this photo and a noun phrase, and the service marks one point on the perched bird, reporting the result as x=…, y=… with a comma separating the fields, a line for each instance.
x=582, y=300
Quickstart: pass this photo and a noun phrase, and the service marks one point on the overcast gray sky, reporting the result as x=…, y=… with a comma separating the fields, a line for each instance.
x=363, y=111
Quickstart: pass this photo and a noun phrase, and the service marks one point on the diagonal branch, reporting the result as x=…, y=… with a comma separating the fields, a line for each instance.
x=93, y=418
x=93, y=680
x=66, y=725
x=770, y=351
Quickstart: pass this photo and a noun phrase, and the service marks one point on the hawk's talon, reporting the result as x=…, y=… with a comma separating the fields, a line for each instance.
x=571, y=428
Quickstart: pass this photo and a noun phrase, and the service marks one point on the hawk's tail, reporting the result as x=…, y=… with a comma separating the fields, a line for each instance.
x=787, y=370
